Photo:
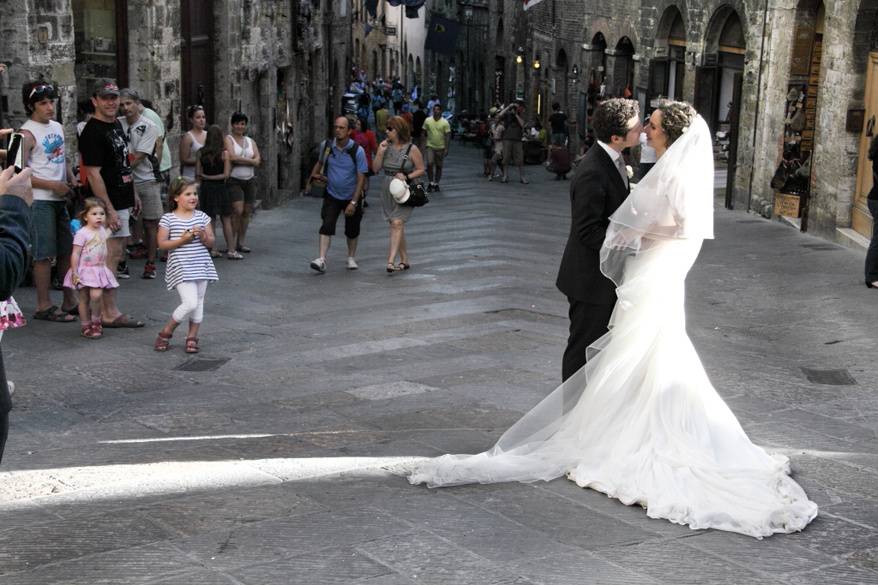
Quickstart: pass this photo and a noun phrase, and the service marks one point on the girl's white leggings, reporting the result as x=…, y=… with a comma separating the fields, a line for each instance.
x=191, y=301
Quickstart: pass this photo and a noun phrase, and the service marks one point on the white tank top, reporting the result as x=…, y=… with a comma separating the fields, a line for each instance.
x=243, y=172
x=47, y=159
x=189, y=170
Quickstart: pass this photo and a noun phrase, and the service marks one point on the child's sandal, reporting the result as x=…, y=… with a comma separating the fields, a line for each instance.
x=162, y=342
x=191, y=345
x=89, y=331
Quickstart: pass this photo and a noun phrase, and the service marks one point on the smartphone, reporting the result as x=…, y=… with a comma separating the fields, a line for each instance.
x=15, y=152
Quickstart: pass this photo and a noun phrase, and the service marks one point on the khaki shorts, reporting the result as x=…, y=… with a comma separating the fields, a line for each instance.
x=513, y=152
x=150, y=194
x=435, y=156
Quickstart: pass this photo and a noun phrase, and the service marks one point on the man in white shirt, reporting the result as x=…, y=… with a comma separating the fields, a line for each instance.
x=44, y=152
x=142, y=136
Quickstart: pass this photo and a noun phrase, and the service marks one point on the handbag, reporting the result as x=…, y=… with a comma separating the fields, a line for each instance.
x=417, y=192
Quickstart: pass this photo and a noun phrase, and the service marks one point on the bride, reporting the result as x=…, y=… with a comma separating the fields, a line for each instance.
x=641, y=421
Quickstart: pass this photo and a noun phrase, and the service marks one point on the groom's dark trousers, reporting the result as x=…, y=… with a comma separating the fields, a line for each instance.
x=596, y=191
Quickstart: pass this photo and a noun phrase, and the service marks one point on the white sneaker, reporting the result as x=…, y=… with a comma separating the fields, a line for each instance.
x=352, y=264
x=318, y=264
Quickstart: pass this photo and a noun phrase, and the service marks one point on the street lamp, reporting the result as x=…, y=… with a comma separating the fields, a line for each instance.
x=536, y=63
x=519, y=60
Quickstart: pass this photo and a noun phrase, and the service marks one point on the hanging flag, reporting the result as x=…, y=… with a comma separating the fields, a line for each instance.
x=372, y=8
x=531, y=3
x=442, y=35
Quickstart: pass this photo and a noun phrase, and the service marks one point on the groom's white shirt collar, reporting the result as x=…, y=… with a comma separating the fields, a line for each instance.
x=614, y=154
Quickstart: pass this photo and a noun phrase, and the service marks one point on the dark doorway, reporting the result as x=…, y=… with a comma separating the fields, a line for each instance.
x=196, y=47
x=101, y=42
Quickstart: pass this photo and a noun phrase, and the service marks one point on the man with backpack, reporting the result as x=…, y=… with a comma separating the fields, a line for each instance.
x=342, y=167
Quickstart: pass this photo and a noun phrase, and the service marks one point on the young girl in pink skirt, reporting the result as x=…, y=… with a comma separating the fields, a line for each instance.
x=88, y=268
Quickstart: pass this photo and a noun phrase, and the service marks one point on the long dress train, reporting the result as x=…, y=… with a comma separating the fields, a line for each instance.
x=641, y=421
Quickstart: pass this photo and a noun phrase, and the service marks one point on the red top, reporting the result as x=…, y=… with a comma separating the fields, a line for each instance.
x=368, y=142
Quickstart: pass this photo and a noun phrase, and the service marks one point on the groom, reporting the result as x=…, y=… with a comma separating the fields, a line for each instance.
x=598, y=188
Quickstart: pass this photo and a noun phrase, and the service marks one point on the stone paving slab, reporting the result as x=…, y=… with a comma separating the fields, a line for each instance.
x=278, y=466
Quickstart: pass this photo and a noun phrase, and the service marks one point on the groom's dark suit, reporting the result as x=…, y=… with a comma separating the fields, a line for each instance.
x=596, y=191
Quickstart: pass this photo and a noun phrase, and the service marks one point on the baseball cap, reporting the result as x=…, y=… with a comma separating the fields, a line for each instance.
x=130, y=93
x=105, y=87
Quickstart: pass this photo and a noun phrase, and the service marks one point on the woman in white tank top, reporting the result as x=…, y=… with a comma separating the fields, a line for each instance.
x=192, y=141
x=244, y=155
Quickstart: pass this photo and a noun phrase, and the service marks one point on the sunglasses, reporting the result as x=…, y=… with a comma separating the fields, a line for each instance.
x=41, y=91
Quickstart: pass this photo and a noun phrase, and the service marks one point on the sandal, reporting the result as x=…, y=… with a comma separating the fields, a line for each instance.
x=404, y=265
x=215, y=254
x=191, y=345
x=391, y=268
x=162, y=342
x=234, y=256
x=55, y=315
x=123, y=321
x=89, y=332
x=244, y=249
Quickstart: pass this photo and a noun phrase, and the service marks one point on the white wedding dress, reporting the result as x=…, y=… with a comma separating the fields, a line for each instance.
x=641, y=421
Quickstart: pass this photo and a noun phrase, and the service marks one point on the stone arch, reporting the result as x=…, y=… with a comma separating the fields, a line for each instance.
x=725, y=45
x=597, y=59
x=621, y=68
x=668, y=66
x=725, y=30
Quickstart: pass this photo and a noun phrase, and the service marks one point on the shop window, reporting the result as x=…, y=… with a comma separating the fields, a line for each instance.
x=100, y=41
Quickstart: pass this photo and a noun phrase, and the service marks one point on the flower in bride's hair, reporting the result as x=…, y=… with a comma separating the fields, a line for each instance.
x=630, y=171
x=685, y=129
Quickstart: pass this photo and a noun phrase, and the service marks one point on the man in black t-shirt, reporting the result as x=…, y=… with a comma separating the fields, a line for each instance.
x=418, y=118
x=558, y=124
x=105, y=165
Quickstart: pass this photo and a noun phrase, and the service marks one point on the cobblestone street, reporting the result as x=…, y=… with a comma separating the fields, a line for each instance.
x=269, y=458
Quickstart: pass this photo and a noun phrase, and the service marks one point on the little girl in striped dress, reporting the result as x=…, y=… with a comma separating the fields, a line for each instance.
x=186, y=233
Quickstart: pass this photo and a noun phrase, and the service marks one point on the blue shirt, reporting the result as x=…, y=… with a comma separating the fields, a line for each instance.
x=342, y=177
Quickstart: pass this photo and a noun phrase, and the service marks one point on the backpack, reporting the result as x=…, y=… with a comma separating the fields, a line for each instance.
x=326, y=151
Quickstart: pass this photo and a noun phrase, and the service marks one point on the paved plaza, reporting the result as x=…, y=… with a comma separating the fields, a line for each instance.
x=270, y=457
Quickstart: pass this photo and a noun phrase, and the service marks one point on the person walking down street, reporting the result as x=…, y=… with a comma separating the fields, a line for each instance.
x=15, y=216
x=513, y=132
x=419, y=116
x=381, y=117
x=872, y=202
x=52, y=180
x=245, y=158
x=88, y=266
x=109, y=178
x=192, y=141
x=497, y=131
x=558, y=125
x=438, y=132
x=142, y=137
x=344, y=172
x=186, y=233
x=213, y=169
x=368, y=142
x=398, y=158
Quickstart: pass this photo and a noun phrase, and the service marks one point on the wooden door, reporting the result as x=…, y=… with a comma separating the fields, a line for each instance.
x=707, y=94
x=861, y=219
x=196, y=46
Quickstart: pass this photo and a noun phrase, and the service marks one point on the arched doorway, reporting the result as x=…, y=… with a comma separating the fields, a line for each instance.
x=597, y=63
x=620, y=81
x=560, y=78
x=666, y=69
x=800, y=110
x=715, y=81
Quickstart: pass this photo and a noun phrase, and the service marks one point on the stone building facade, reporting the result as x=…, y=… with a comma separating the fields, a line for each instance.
x=789, y=76
x=282, y=63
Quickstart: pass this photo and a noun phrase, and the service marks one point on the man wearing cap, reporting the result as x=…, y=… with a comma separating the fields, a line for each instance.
x=108, y=173
x=142, y=135
x=44, y=152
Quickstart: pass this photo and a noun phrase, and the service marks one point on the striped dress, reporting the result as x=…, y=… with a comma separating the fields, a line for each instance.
x=190, y=261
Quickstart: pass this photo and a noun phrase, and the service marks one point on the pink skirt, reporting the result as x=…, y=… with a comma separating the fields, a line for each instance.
x=92, y=277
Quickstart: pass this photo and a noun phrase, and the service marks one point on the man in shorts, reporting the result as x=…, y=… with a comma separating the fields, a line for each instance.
x=437, y=130
x=44, y=152
x=342, y=166
x=142, y=136
x=105, y=166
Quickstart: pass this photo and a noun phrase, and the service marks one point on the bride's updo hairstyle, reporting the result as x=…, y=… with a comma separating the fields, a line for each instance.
x=676, y=119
